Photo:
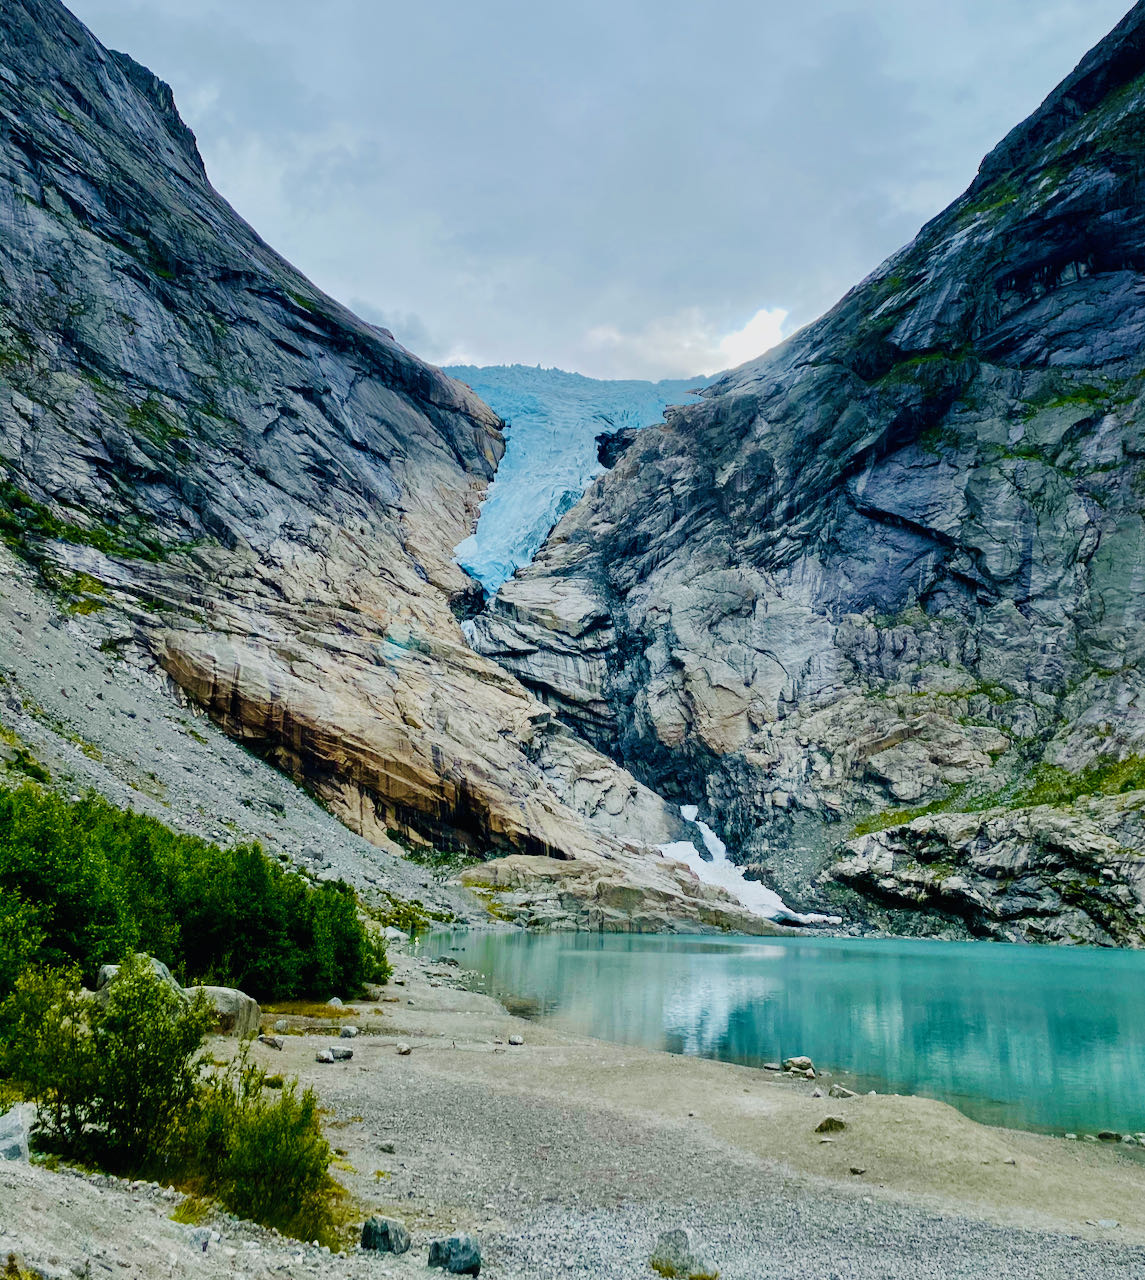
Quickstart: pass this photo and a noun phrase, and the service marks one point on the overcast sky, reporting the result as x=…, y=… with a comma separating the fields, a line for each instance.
x=627, y=188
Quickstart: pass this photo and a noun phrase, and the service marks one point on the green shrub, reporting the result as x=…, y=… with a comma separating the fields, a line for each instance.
x=106, y=882
x=120, y=1084
x=20, y=939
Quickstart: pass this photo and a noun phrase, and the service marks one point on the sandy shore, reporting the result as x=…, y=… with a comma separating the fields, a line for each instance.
x=567, y=1156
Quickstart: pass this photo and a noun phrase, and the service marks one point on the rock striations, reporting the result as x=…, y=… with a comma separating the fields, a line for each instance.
x=878, y=602
x=228, y=474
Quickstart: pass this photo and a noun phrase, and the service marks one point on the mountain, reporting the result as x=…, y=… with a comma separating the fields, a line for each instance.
x=556, y=422
x=879, y=599
x=252, y=497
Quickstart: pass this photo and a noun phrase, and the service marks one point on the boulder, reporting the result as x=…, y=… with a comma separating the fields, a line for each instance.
x=517, y=1040
x=340, y=1054
x=348, y=1033
x=404, y=1050
x=798, y=1064
x=459, y=1255
x=15, y=1129
x=323, y=1055
x=236, y=1014
x=831, y=1124
x=837, y=1091
x=272, y=1042
x=679, y=1254
x=385, y=1235
x=394, y=935
x=158, y=968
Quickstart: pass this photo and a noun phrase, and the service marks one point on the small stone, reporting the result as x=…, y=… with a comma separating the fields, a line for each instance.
x=459, y=1255
x=348, y=1033
x=857, y=1171
x=323, y=1055
x=678, y=1253
x=816, y=1093
x=199, y=1238
x=404, y=1050
x=339, y=1054
x=1108, y=1223
x=1129, y=1140
x=837, y=1091
x=798, y=1064
x=1009, y=1160
x=1108, y=1135
x=831, y=1124
x=334, y=1003
x=1072, y=1137
x=387, y=1148
x=271, y=1042
x=772, y=1066
x=385, y=1235
x=281, y=1025
x=516, y=1039
x=810, y=1073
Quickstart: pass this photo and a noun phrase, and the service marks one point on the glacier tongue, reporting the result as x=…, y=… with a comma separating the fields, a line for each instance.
x=550, y=455
x=721, y=871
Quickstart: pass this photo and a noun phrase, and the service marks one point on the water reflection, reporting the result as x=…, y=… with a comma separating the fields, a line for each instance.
x=1031, y=1037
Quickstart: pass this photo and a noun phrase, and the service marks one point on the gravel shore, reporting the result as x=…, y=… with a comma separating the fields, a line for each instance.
x=567, y=1156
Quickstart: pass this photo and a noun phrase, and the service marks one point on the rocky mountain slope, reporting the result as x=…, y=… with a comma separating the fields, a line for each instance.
x=884, y=589
x=227, y=477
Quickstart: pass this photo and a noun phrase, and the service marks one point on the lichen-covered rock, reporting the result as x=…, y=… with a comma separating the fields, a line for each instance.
x=678, y=1255
x=894, y=563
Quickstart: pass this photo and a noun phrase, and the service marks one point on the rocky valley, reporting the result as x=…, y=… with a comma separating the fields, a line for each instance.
x=872, y=606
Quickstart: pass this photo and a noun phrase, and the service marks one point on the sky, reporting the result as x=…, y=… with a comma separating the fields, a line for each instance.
x=623, y=188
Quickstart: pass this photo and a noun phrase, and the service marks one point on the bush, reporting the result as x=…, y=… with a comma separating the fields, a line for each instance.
x=109, y=1080
x=105, y=882
x=121, y=1085
x=20, y=939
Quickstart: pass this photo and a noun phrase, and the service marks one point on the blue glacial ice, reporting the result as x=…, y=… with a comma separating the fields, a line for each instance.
x=550, y=455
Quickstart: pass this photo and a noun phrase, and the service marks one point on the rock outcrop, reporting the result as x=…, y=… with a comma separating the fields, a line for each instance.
x=895, y=565
x=228, y=474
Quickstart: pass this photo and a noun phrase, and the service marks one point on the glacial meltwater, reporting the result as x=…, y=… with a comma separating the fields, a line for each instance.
x=1028, y=1037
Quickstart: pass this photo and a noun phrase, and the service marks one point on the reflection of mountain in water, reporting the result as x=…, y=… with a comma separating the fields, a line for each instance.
x=1030, y=1037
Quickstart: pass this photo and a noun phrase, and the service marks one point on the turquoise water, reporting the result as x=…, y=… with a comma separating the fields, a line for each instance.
x=1029, y=1037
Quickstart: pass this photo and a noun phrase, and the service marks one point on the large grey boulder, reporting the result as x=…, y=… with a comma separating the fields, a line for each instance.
x=679, y=1255
x=385, y=1235
x=460, y=1255
x=236, y=1014
x=15, y=1130
x=108, y=971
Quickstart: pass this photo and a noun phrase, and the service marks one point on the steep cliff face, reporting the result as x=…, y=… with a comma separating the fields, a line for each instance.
x=898, y=565
x=230, y=475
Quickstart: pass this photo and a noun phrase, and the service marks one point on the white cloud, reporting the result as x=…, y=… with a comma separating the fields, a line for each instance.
x=683, y=345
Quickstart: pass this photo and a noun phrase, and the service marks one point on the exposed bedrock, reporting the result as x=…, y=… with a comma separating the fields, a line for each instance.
x=219, y=465
x=898, y=564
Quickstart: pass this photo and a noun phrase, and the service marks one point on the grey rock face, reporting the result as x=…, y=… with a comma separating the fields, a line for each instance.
x=894, y=564
x=236, y=479
x=385, y=1235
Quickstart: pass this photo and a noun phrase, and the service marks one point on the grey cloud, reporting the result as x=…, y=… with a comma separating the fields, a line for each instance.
x=521, y=175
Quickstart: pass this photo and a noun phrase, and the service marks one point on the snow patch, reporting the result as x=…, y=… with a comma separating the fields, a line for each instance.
x=719, y=870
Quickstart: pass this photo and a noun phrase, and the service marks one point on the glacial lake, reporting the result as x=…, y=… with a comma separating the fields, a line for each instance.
x=1041, y=1038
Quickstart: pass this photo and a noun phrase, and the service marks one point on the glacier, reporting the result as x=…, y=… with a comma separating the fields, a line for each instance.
x=550, y=457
